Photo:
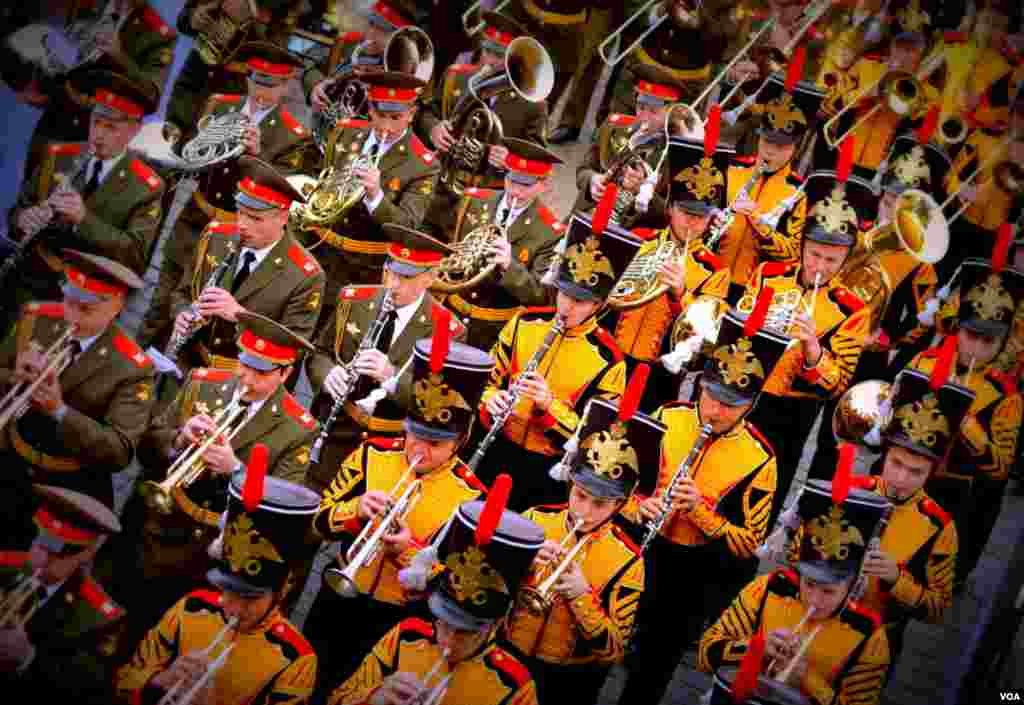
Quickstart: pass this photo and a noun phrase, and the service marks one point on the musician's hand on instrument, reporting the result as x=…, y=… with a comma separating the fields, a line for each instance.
x=780, y=645
x=717, y=218
x=48, y=396
x=535, y=388
x=498, y=403
x=598, y=184
x=318, y=96
x=803, y=329
x=251, y=139
x=650, y=508
x=672, y=273
x=215, y=301
x=372, y=504
x=743, y=70
x=441, y=136
x=548, y=554
x=969, y=193
x=572, y=583
x=685, y=496
x=882, y=566
x=202, y=16
x=29, y=364
x=370, y=179
x=496, y=155
x=397, y=689
x=220, y=458
x=337, y=380
x=15, y=648
x=374, y=364
x=501, y=250
x=194, y=431
x=744, y=206
x=70, y=206
x=187, y=669
x=397, y=543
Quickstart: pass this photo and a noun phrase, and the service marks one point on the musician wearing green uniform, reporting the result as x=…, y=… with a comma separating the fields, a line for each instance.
x=550, y=362
x=62, y=640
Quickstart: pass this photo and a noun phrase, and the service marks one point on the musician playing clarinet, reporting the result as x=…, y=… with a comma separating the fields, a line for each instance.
x=446, y=381
x=550, y=362
x=801, y=629
x=575, y=616
x=231, y=643
x=368, y=343
x=714, y=514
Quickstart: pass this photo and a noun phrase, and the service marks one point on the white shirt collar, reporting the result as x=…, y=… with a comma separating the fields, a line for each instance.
x=86, y=343
x=256, y=116
x=260, y=256
x=516, y=211
x=405, y=314
x=107, y=165
x=384, y=146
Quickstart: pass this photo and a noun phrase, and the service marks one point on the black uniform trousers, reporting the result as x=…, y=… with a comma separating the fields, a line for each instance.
x=532, y=486
x=555, y=682
x=686, y=588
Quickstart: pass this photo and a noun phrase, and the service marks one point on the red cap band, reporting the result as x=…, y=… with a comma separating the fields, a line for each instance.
x=659, y=90
x=119, y=103
x=532, y=167
x=261, y=347
x=264, y=66
x=62, y=529
x=394, y=95
x=391, y=14
x=95, y=286
x=263, y=193
x=422, y=258
x=503, y=38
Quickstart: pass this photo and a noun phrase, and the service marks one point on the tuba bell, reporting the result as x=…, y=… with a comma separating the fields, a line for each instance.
x=527, y=72
x=219, y=35
x=862, y=412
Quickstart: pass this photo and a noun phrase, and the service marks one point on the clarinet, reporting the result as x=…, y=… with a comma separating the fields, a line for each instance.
x=515, y=392
x=177, y=342
x=655, y=526
x=368, y=342
x=874, y=544
x=715, y=232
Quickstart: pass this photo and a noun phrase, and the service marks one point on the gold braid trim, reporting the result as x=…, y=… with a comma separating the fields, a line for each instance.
x=344, y=313
x=202, y=248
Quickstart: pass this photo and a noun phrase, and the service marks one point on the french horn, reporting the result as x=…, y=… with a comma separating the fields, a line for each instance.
x=640, y=283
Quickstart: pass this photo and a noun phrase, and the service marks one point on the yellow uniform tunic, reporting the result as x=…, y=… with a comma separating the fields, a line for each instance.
x=749, y=242
x=640, y=331
x=993, y=206
x=491, y=677
x=272, y=664
x=379, y=464
x=596, y=627
x=847, y=659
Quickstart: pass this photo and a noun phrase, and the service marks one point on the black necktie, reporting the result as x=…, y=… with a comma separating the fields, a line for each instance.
x=387, y=332
x=247, y=261
x=94, y=180
x=74, y=350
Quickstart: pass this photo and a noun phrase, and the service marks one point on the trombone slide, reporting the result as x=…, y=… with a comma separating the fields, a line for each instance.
x=613, y=38
x=11, y=614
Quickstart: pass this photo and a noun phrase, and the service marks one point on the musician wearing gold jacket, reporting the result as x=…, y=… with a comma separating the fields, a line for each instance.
x=718, y=507
x=802, y=632
x=447, y=381
x=236, y=631
x=574, y=618
x=813, y=305
x=551, y=362
x=970, y=485
x=764, y=196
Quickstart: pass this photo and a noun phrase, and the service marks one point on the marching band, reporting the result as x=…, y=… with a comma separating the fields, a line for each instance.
x=535, y=445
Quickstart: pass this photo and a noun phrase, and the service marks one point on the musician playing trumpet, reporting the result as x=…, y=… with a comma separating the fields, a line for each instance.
x=585, y=620
x=59, y=628
x=447, y=380
x=718, y=509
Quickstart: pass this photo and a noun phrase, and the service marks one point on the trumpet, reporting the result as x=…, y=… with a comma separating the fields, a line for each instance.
x=366, y=547
x=538, y=600
x=433, y=695
x=654, y=527
x=12, y=608
x=189, y=466
x=804, y=645
x=900, y=93
x=18, y=398
x=784, y=307
x=171, y=697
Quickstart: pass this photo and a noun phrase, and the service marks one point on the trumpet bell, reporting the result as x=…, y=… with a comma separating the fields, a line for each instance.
x=952, y=130
x=703, y=317
x=920, y=229
x=534, y=602
x=339, y=581
x=861, y=409
x=156, y=497
x=530, y=69
x=902, y=92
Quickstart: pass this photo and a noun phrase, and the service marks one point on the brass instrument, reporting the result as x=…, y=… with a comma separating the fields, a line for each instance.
x=433, y=695
x=654, y=527
x=190, y=466
x=899, y=92
x=472, y=10
x=527, y=72
x=337, y=191
x=13, y=612
x=538, y=600
x=784, y=307
x=862, y=412
x=725, y=220
x=18, y=398
x=959, y=60
x=656, y=12
x=472, y=259
x=367, y=545
x=1007, y=175
x=694, y=331
x=219, y=35
x=175, y=695
x=640, y=283
x=778, y=683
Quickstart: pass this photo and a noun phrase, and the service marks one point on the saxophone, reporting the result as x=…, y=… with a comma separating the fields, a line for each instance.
x=655, y=526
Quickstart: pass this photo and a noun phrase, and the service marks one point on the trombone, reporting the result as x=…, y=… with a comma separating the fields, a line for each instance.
x=900, y=93
x=366, y=547
x=18, y=398
x=190, y=466
x=479, y=27
x=12, y=607
x=538, y=600
x=1008, y=176
x=602, y=49
x=171, y=696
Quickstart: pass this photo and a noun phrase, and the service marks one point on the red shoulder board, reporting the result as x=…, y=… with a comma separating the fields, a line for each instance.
x=94, y=594
x=710, y=260
x=865, y=482
x=71, y=149
x=482, y=193
x=386, y=442
x=622, y=536
x=463, y=68
x=421, y=150
x=1005, y=381
x=954, y=37
x=208, y=374
x=789, y=575
x=156, y=23
x=501, y=660
x=220, y=228
x=745, y=161
x=866, y=612
x=303, y=260
x=292, y=123
x=15, y=559
x=539, y=309
x=286, y=632
x=297, y=411
x=351, y=37
x=227, y=97
x=621, y=120
x=931, y=508
x=357, y=293
x=50, y=309
x=550, y=219
x=210, y=597
x=645, y=233
x=777, y=269
x=760, y=438
x=466, y=475
x=873, y=56
x=353, y=122
x=608, y=341
x=417, y=626
x=846, y=298
x=131, y=350
x=146, y=174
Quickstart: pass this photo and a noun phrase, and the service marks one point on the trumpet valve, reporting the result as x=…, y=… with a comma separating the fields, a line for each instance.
x=534, y=601
x=156, y=497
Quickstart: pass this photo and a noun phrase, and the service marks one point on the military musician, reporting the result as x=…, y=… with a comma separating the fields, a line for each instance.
x=231, y=642
x=446, y=389
x=85, y=386
x=551, y=362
